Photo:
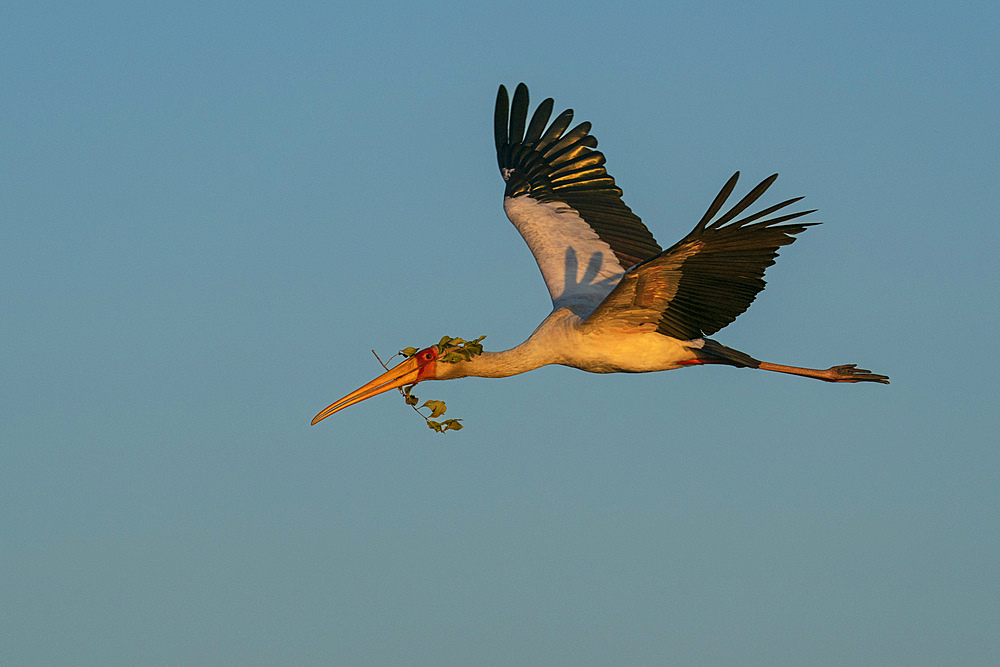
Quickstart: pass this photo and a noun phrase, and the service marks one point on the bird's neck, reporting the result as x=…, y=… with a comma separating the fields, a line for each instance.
x=500, y=364
x=542, y=348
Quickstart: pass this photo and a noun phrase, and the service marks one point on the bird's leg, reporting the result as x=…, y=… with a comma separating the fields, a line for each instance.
x=713, y=352
x=844, y=373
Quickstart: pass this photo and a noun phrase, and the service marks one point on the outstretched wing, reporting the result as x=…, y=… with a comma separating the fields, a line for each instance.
x=564, y=203
x=707, y=279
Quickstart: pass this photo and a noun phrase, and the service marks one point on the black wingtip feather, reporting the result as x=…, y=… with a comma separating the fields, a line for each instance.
x=538, y=121
x=719, y=200
x=500, y=114
x=518, y=114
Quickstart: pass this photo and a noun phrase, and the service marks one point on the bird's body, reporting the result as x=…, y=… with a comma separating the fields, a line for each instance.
x=564, y=338
x=620, y=302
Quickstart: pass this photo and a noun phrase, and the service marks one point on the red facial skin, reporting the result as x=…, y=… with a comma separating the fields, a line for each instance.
x=427, y=362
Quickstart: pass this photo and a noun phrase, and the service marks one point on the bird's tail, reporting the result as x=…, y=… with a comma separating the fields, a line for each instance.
x=717, y=353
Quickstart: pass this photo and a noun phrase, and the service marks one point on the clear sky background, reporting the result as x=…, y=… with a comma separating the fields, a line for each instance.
x=211, y=212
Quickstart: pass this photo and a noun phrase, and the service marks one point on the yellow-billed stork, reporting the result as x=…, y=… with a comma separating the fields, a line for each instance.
x=620, y=303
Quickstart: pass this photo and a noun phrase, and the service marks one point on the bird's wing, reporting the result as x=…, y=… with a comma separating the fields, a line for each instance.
x=709, y=277
x=564, y=203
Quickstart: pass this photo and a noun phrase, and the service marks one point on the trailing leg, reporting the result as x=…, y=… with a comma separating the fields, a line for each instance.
x=843, y=373
x=714, y=352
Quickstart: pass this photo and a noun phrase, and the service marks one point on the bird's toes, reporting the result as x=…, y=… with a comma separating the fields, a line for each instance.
x=851, y=373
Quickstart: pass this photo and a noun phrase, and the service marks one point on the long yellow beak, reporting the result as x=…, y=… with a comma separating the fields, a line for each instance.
x=400, y=375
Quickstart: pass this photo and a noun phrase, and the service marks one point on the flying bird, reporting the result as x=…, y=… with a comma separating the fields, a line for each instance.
x=620, y=303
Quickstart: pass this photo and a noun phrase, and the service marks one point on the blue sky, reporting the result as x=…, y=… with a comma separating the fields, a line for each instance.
x=212, y=212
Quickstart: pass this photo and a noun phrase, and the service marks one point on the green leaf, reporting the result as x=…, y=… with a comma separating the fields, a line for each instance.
x=408, y=351
x=438, y=408
x=475, y=346
x=435, y=426
x=410, y=399
x=453, y=424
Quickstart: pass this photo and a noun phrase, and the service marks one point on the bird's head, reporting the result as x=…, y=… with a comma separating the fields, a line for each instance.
x=431, y=363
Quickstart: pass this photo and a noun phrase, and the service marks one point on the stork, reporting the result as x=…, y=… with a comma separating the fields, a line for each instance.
x=620, y=303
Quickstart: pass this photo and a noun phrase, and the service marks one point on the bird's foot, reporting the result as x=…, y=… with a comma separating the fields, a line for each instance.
x=851, y=373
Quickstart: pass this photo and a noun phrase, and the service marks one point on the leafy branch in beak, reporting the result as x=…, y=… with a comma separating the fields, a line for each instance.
x=450, y=351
